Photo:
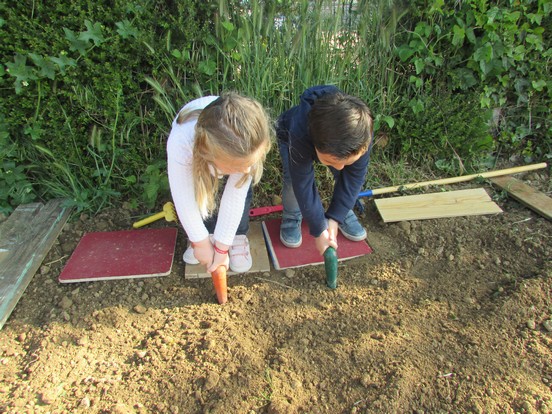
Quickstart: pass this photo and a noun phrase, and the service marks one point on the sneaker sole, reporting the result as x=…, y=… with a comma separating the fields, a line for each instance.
x=238, y=270
x=191, y=263
x=291, y=245
x=353, y=238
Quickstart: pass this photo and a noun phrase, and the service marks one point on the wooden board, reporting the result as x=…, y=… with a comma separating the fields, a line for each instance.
x=437, y=205
x=25, y=239
x=124, y=254
x=258, y=254
x=526, y=195
x=283, y=257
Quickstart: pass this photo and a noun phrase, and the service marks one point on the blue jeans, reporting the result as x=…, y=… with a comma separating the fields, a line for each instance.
x=243, y=228
x=291, y=207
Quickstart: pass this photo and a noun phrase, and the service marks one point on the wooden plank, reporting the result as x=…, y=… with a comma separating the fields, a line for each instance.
x=259, y=254
x=526, y=195
x=437, y=205
x=25, y=239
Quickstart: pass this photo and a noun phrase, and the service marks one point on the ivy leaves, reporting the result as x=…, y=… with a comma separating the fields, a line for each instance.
x=496, y=50
x=83, y=41
x=46, y=67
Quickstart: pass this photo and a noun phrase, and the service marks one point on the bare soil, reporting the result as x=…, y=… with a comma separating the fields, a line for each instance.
x=445, y=316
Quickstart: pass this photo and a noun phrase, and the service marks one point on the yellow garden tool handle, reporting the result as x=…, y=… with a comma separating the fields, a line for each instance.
x=149, y=220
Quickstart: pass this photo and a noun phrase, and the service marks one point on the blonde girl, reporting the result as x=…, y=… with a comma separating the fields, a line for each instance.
x=211, y=138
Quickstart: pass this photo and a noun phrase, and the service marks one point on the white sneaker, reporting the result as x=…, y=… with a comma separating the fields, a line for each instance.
x=239, y=254
x=189, y=256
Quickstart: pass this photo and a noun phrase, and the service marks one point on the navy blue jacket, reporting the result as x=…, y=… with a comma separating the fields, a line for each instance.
x=292, y=127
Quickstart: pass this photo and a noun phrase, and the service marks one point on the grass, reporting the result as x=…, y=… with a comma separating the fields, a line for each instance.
x=265, y=396
x=274, y=57
x=87, y=189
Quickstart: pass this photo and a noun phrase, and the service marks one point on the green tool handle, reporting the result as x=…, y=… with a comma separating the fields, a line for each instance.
x=330, y=263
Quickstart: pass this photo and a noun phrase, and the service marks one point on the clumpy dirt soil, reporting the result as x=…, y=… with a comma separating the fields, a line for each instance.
x=445, y=316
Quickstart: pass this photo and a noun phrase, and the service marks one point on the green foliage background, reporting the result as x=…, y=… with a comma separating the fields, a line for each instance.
x=499, y=51
x=88, y=89
x=77, y=116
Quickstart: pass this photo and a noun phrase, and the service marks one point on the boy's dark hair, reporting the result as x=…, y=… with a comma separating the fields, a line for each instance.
x=340, y=125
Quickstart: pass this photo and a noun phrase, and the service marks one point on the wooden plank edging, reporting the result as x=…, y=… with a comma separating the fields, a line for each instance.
x=25, y=239
x=525, y=194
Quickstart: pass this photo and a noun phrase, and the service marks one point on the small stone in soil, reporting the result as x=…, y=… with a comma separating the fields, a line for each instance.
x=140, y=309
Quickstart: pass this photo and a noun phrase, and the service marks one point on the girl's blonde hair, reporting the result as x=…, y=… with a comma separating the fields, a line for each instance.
x=232, y=127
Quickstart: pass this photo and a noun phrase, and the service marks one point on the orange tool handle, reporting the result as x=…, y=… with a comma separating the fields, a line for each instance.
x=219, y=281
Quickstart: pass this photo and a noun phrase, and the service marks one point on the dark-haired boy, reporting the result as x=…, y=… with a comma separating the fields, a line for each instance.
x=335, y=129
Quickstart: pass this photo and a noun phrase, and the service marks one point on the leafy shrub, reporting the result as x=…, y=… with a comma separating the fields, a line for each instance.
x=88, y=89
x=499, y=50
x=79, y=121
x=452, y=132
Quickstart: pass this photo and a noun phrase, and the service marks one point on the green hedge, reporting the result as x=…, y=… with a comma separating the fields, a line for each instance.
x=77, y=116
x=88, y=89
x=498, y=50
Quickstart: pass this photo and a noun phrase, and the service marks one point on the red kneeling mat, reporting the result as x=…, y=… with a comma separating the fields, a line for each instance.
x=283, y=257
x=121, y=254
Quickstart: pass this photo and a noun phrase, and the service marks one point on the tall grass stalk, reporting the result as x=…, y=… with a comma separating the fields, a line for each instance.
x=275, y=54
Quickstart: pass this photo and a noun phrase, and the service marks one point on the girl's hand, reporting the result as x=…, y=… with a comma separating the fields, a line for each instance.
x=324, y=241
x=204, y=252
x=220, y=258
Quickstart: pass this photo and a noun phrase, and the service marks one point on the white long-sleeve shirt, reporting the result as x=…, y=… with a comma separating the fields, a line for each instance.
x=180, y=147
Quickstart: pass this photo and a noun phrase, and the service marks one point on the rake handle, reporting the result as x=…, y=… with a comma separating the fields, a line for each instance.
x=452, y=180
x=260, y=211
x=149, y=220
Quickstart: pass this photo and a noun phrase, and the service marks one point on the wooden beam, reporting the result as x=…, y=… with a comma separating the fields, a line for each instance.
x=437, y=205
x=526, y=195
x=25, y=239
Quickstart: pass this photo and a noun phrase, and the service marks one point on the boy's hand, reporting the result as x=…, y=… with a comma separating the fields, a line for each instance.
x=324, y=241
x=333, y=228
